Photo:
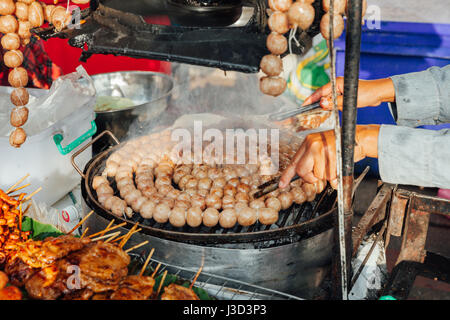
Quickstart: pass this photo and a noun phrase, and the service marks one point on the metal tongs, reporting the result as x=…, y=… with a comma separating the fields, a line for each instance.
x=282, y=115
x=270, y=186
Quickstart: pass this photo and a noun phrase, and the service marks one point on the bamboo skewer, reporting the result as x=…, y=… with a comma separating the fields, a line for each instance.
x=20, y=188
x=26, y=209
x=196, y=276
x=146, y=262
x=161, y=282
x=101, y=233
x=137, y=246
x=106, y=236
x=112, y=237
x=20, y=219
x=32, y=194
x=84, y=233
x=15, y=195
x=156, y=270
x=81, y=222
x=16, y=184
x=121, y=237
x=128, y=235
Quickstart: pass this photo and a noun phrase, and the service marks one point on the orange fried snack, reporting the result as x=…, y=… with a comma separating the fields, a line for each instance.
x=10, y=293
x=177, y=292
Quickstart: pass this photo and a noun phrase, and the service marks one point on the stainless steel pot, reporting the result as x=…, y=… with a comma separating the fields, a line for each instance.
x=149, y=90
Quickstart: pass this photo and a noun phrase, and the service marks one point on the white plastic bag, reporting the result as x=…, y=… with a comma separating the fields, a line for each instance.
x=67, y=94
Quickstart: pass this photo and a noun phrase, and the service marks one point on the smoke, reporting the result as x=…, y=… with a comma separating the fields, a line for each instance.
x=219, y=101
x=200, y=90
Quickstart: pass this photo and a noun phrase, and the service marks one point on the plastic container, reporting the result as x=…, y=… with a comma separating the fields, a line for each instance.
x=46, y=156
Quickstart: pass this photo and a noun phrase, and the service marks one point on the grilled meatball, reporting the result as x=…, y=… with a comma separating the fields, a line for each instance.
x=257, y=204
x=161, y=213
x=247, y=217
x=97, y=181
x=273, y=203
x=198, y=201
x=213, y=201
x=267, y=216
x=210, y=217
x=147, y=209
x=194, y=217
x=310, y=191
x=177, y=217
x=228, y=218
x=298, y=195
x=286, y=200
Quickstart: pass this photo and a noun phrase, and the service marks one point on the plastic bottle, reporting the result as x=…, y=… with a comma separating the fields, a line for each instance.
x=69, y=217
x=62, y=219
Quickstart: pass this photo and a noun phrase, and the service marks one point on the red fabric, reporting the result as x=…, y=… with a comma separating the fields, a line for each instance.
x=67, y=57
x=45, y=61
x=41, y=70
x=64, y=3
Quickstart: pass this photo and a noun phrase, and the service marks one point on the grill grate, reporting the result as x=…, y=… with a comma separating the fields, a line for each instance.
x=296, y=223
x=292, y=216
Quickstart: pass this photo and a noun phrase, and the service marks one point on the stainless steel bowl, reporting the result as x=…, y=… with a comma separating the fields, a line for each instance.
x=149, y=90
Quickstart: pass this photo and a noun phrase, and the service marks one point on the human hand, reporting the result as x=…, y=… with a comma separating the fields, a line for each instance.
x=316, y=158
x=371, y=93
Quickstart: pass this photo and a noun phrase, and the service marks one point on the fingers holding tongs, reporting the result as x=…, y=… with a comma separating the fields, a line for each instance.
x=269, y=186
x=282, y=115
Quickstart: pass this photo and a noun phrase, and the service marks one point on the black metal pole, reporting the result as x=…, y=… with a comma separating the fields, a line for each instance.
x=351, y=78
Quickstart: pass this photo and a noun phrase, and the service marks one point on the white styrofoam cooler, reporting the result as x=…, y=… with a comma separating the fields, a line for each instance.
x=40, y=157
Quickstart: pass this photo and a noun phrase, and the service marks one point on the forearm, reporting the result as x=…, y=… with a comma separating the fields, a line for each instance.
x=414, y=156
x=385, y=89
x=423, y=98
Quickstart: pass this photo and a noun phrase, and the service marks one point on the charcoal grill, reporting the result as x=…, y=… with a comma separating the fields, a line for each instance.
x=292, y=255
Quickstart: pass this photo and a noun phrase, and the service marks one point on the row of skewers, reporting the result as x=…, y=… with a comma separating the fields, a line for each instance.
x=43, y=267
x=46, y=269
x=11, y=213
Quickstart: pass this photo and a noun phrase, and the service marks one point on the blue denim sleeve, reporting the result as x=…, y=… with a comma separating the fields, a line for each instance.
x=423, y=98
x=414, y=156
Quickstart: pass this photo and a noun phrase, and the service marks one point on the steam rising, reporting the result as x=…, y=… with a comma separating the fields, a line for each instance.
x=216, y=95
x=219, y=102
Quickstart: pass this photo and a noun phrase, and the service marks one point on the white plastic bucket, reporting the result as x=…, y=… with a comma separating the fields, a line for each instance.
x=39, y=155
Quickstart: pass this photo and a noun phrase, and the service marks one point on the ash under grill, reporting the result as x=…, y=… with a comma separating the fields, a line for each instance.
x=294, y=224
